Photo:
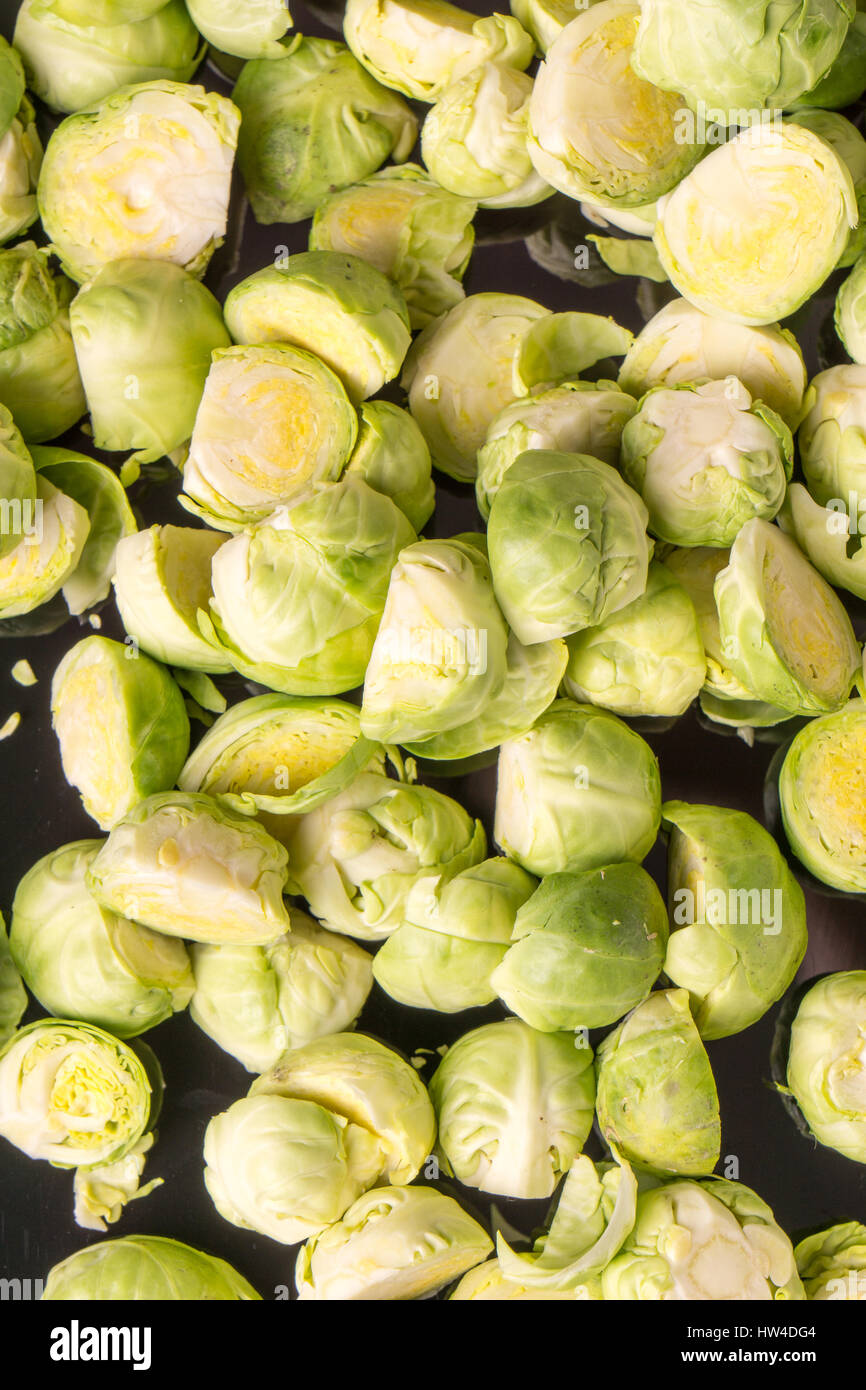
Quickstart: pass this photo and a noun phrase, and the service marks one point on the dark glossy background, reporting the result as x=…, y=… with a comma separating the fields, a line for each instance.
x=807, y=1186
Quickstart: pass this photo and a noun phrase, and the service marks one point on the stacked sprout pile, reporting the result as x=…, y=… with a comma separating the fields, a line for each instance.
x=662, y=519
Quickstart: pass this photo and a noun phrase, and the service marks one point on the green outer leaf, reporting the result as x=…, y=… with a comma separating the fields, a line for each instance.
x=630, y=257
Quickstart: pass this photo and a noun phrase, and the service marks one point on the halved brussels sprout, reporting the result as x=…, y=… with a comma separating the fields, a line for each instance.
x=339, y=307
x=356, y=858
x=722, y=234
x=784, y=632
x=144, y=331
x=737, y=59
x=440, y=651
x=272, y=423
x=20, y=148
x=71, y=65
x=162, y=578
x=709, y=1241
x=705, y=460
x=121, y=723
x=696, y=568
x=417, y=233
x=597, y=130
x=578, y=791
x=145, y=1268
x=39, y=379
x=843, y=137
x=394, y=1244
x=13, y=996
x=738, y=916
x=257, y=1001
x=851, y=312
x=419, y=47
x=682, y=344
x=19, y=514
x=100, y=492
x=568, y=544
x=514, y=1107
x=657, y=1101
x=832, y=437
x=184, y=865
x=84, y=963
x=175, y=143
x=460, y=373
x=832, y=1264
x=474, y=139
x=823, y=535
x=72, y=1094
x=53, y=532
x=313, y=121
x=298, y=598
x=244, y=28
x=579, y=417
x=587, y=947
x=820, y=791
x=392, y=457
x=455, y=931
x=826, y=1062
x=646, y=659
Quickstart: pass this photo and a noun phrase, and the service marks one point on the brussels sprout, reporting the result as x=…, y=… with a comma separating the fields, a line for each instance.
x=144, y=332
x=845, y=80
x=84, y=963
x=393, y=1244
x=486, y=1282
x=832, y=437
x=257, y=1001
x=545, y=19
x=821, y=797
x=176, y=143
x=162, y=578
x=850, y=314
x=53, y=531
x=587, y=948
x=454, y=932
x=145, y=1268
x=340, y=545
x=39, y=380
x=514, y=1107
x=459, y=375
x=368, y=1084
x=826, y=1072
x=12, y=84
x=100, y=492
x=710, y=1241
x=19, y=514
x=121, y=724
x=580, y=417
x=13, y=996
x=578, y=791
x=392, y=457
x=20, y=148
x=722, y=234
x=738, y=914
x=568, y=544
x=657, y=1100
x=184, y=865
x=338, y=307
x=247, y=29
x=595, y=1214
x=286, y=1168
x=439, y=654
x=597, y=130
x=738, y=59
x=105, y=11
x=70, y=65
x=645, y=659
x=532, y=677
x=272, y=423
x=681, y=344
x=705, y=460
x=843, y=137
x=832, y=1264
x=72, y=1094
x=356, y=858
x=280, y=755
x=696, y=568
x=822, y=533
x=314, y=121
x=785, y=633
x=474, y=140
x=420, y=47
x=407, y=226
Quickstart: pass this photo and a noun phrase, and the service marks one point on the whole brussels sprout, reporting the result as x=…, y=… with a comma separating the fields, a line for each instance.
x=826, y=1072
x=392, y=457
x=144, y=1268
x=821, y=799
x=832, y=1264
x=39, y=378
